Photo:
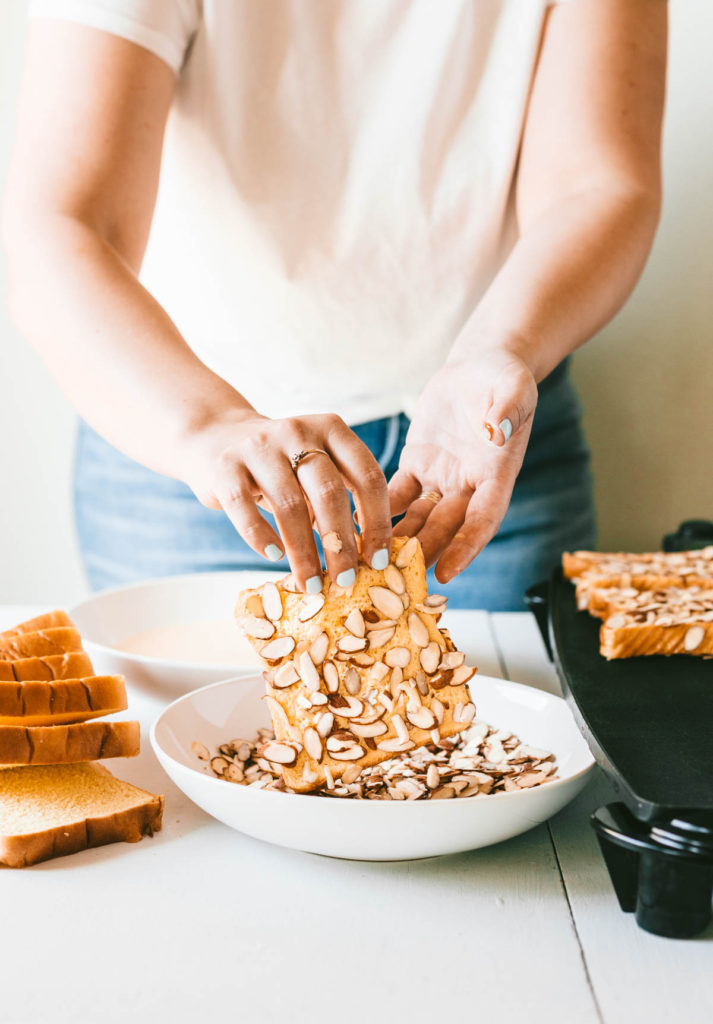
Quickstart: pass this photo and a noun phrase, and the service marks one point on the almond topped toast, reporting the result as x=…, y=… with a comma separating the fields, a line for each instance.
x=355, y=675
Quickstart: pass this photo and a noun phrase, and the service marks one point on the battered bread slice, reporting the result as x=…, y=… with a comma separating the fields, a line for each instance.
x=50, y=811
x=59, y=702
x=656, y=570
x=659, y=622
x=75, y=665
x=606, y=601
x=40, y=644
x=355, y=676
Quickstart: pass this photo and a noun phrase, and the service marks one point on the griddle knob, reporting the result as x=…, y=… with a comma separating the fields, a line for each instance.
x=691, y=535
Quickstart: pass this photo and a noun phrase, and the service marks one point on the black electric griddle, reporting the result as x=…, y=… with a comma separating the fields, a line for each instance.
x=649, y=723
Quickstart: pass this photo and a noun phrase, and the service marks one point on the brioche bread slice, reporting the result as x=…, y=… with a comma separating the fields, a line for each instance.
x=356, y=676
x=60, y=744
x=52, y=810
x=50, y=620
x=43, y=642
x=76, y=665
x=59, y=702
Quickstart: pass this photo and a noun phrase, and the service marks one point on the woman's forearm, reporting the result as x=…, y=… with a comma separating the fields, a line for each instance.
x=570, y=272
x=112, y=348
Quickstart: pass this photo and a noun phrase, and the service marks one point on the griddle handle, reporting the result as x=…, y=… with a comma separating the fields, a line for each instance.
x=537, y=599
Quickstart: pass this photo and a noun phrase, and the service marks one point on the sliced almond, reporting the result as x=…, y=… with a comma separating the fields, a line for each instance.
x=331, y=676
x=362, y=659
x=693, y=637
x=421, y=682
x=379, y=624
x=386, y=701
x=437, y=709
x=378, y=672
x=313, y=743
x=200, y=751
x=278, y=648
x=394, y=745
x=318, y=698
x=354, y=622
x=433, y=776
x=325, y=723
x=350, y=754
x=254, y=606
x=452, y=659
x=309, y=775
x=429, y=657
x=279, y=753
x=422, y=719
x=405, y=600
x=377, y=728
x=462, y=675
x=397, y=675
x=404, y=556
x=352, y=681
x=318, y=648
x=278, y=714
x=285, y=675
x=386, y=602
x=345, y=707
x=272, y=601
x=308, y=673
x=310, y=607
x=370, y=716
x=400, y=727
x=418, y=630
x=394, y=579
x=350, y=643
x=351, y=774
x=467, y=714
x=435, y=600
x=616, y=621
x=261, y=629
x=397, y=657
x=379, y=637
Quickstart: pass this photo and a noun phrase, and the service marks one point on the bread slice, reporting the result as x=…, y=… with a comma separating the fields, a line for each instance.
x=659, y=622
x=60, y=744
x=40, y=644
x=655, y=570
x=77, y=665
x=356, y=676
x=59, y=702
x=50, y=811
x=49, y=620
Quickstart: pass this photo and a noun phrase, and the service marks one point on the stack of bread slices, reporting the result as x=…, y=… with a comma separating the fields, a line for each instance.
x=54, y=798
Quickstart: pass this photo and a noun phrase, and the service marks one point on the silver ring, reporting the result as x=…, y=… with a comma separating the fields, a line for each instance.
x=299, y=457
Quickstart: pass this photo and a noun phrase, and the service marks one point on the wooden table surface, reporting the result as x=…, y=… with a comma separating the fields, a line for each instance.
x=203, y=924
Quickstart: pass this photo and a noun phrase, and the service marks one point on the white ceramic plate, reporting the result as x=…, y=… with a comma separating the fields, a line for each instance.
x=194, y=638
x=364, y=829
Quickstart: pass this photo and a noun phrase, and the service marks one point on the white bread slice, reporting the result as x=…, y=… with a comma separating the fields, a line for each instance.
x=64, y=744
x=43, y=642
x=59, y=702
x=75, y=665
x=50, y=811
x=50, y=620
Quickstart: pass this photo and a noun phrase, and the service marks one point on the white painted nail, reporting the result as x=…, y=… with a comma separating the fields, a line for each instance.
x=380, y=559
x=314, y=585
x=273, y=553
x=346, y=578
x=506, y=427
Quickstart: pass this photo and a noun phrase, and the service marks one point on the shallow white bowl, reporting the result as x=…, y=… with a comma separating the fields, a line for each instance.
x=370, y=829
x=110, y=617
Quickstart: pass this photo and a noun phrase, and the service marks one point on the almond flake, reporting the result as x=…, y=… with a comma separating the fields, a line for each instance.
x=261, y=629
x=345, y=707
x=324, y=723
x=272, y=601
x=395, y=745
x=351, y=774
x=310, y=607
x=397, y=657
x=386, y=602
x=692, y=639
x=318, y=648
x=313, y=744
x=378, y=623
x=278, y=648
x=432, y=776
x=280, y=753
x=349, y=644
x=394, y=579
x=418, y=630
x=279, y=715
x=331, y=676
x=354, y=622
x=285, y=675
x=422, y=719
x=308, y=673
x=437, y=709
x=429, y=657
x=435, y=600
x=462, y=675
x=200, y=751
x=318, y=698
x=404, y=556
x=452, y=659
x=377, y=728
x=350, y=754
x=352, y=681
x=379, y=637
x=400, y=727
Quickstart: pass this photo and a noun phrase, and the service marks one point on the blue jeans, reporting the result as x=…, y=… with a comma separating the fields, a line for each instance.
x=135, y=524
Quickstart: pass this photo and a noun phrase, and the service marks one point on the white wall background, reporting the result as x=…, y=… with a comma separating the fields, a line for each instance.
x=647, y=380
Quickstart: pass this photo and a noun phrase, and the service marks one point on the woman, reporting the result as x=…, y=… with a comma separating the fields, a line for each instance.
x=381, y=228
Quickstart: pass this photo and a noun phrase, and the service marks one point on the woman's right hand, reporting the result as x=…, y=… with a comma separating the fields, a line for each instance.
x=242, y=460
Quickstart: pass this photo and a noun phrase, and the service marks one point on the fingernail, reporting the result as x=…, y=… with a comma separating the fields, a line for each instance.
x=346, y=578
x=506, y=427
x=314, y=585
x=273, y=553
x=380, y=559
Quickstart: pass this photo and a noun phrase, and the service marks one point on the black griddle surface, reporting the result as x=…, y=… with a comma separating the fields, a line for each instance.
x=648, y=720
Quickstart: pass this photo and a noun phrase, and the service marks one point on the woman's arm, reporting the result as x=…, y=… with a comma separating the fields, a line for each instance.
x=588, y=200
x=76, y=219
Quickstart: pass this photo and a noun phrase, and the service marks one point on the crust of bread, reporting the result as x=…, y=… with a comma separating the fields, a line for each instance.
x=64, y=744
x=50, y=620
x=128, y=825
x=58, y=702
x=40, y=644
x=289, y=725
x=76, y=665
x=639, y=639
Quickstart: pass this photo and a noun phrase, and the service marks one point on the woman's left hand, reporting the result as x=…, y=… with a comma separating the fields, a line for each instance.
x=463, y=452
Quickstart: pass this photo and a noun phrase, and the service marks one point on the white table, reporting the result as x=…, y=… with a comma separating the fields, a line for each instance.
x=202, y=924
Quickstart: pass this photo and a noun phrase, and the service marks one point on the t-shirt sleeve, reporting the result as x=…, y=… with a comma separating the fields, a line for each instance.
x=165, y=27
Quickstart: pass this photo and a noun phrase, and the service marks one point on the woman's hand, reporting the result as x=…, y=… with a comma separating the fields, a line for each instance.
x=463, y=451
x=243, y=459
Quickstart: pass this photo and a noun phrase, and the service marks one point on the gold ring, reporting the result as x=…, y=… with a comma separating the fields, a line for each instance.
x=434, y=496
x=299, y=457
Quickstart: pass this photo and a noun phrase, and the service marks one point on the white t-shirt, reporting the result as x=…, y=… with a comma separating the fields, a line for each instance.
x=336, y=187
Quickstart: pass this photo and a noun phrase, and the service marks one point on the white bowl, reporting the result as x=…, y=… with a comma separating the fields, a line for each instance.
x=190, y=618
x=370, y=829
